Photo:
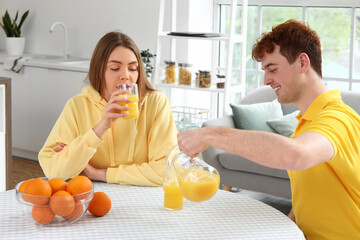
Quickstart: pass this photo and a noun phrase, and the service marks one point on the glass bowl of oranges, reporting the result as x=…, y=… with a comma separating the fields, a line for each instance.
x=55, y=201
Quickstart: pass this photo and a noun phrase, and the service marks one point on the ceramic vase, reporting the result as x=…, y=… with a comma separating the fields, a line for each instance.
x=15, y=45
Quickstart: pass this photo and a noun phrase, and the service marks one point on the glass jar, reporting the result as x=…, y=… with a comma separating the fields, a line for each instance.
x=197, y=79
x=198, y=180
x=204, y=79
x=220, y=81
x=185, y=73
x=170, y=75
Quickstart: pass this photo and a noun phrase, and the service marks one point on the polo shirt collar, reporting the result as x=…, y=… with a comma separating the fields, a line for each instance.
x=319, y=104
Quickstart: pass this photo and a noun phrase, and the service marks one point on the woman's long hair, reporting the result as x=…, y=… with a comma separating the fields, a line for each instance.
x=101, y=55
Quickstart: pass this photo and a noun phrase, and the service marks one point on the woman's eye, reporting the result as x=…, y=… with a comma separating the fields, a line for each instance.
x=133, y=69
x=114, y=69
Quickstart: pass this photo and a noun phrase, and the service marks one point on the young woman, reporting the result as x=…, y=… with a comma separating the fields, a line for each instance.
x=92, y=138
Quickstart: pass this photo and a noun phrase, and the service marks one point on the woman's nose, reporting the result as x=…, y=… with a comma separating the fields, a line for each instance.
x=124, y=74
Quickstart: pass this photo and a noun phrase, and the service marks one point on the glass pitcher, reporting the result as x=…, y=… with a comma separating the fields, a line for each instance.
x=198, y=180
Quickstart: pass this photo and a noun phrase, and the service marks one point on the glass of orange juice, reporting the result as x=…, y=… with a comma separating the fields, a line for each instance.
x=133, y=95
x=173, y=199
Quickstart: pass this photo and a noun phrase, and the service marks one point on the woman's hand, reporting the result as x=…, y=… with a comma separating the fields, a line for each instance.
x=112, y=111
x=60, y=147
x=94, y=173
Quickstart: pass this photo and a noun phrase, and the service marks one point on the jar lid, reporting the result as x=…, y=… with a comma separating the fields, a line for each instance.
x=220, y=76
x=185, y=65
x=169, y=62
x=204, y=72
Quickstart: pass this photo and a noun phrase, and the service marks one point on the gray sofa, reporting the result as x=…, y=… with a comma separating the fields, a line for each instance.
x=236, y=171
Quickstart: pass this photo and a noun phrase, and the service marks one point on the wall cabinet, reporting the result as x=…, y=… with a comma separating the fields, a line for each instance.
x=38, y=97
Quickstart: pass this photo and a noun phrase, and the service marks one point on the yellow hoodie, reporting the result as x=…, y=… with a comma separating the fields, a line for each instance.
x=133, y=151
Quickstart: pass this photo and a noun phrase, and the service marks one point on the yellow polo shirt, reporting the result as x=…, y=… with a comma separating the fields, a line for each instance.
x=326, y=197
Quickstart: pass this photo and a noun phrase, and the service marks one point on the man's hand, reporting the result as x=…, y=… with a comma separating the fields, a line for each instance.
x=192, y=142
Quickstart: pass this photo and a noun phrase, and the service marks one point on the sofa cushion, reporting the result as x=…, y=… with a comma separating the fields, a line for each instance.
x=254, y=116
x=234, y=162
x=285, y=125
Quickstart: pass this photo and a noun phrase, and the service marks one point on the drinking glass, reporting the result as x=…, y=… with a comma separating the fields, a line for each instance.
x=173, y=199
x=133, y=95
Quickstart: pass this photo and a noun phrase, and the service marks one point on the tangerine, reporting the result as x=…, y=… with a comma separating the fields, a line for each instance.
x=40, y=189
x=57, y=184
x=62, y=203
x=22, y=185
x=78, y=185
x=42, y=214
x=76, y=213
x=100, y=205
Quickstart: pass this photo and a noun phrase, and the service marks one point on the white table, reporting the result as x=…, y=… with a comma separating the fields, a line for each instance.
x=137, y=213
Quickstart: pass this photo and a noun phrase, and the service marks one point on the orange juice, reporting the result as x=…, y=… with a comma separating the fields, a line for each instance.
x=197, y=185
x=133, y=112
x=173, y=198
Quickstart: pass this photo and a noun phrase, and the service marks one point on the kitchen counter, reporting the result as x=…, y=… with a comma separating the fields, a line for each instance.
x=53, y=62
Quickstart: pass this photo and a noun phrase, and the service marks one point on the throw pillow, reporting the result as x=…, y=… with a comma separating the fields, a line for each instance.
x=285, y=125
x=254, y=116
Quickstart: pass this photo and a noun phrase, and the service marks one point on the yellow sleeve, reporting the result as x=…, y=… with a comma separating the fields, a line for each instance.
x=162, y=136
x=79, y=147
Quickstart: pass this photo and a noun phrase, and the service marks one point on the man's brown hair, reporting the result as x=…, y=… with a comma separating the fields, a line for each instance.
x=293, y=37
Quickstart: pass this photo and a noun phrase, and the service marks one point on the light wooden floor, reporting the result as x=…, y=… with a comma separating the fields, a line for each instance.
x=24, y=169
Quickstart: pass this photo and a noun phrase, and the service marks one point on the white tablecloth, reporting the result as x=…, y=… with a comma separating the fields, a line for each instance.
x=137, y=213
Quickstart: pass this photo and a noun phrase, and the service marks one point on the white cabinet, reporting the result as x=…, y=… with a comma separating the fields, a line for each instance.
x=49, y=91
x=220, y=95
x=38, y=97
x=20, y=99
x=5, y=134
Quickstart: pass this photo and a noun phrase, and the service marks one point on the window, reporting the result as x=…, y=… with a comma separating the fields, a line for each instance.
x=337, y=23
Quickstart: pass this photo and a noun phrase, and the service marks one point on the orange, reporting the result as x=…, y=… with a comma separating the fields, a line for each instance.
x=62, y=203
x=57, y=184
x=23, y=184
x=100, y=204
x=40, y=188
x=42, y=214
x=78, y=185
x=76, y=213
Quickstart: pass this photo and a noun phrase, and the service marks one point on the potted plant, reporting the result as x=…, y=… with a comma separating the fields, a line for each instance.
x=147, y=57
x=15, y=43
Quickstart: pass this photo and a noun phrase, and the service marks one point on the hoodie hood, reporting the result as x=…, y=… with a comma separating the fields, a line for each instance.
x=94, y=97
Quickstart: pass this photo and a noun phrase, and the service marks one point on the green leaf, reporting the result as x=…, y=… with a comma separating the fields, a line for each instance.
x=8, y=24
x=24, y=16
x=10, y=27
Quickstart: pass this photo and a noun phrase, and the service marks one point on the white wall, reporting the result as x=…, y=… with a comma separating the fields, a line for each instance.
x=87, y=21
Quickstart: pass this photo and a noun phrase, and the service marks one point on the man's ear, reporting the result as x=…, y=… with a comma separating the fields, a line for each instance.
x=304, y=62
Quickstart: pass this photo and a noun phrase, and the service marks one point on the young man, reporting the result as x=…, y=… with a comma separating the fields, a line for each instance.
x=322, y=156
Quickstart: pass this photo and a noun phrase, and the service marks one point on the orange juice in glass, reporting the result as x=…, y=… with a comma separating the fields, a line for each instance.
x=198, y=185
x=173, y=199
x=132, y=94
